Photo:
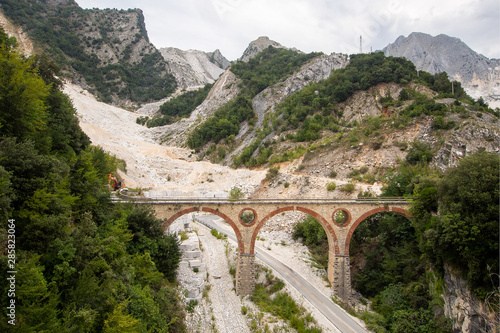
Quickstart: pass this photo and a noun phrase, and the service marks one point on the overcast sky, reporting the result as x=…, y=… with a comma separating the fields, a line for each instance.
x=312, y=25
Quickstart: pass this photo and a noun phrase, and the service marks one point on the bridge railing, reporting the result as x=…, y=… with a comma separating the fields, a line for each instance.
x=166, y=200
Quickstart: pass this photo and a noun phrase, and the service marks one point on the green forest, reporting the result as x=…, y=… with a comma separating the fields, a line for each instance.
x=82, y=263
x=399, y=264
x=57, y=29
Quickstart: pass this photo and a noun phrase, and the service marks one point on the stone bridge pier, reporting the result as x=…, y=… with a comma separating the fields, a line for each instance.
x=339, y=218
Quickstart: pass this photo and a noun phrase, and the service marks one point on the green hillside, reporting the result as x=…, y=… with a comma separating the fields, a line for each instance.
x=265, y=69
x=314, y=115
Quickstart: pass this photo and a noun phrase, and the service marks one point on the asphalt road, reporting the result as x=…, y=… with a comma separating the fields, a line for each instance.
x=334, y=313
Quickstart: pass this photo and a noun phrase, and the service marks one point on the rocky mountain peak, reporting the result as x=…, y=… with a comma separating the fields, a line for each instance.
x=257, y=46
x=218, y=59
x=479, y=75
x=194, y=68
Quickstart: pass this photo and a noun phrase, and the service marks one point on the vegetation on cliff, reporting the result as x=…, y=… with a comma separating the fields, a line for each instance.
x=83, y=263
x=74, y=36
x=267, y=68
x=316, y=112
x=177, y=108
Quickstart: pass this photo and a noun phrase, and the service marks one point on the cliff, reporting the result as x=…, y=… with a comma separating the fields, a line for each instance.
x=194, y=68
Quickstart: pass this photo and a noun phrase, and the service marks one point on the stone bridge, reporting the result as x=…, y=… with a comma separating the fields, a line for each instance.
x=339, y=218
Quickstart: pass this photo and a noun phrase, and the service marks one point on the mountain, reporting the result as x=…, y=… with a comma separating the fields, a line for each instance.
x=479, y=75
x=218, y=59
x=257, y=46
x=193, y=67
x=106, y=51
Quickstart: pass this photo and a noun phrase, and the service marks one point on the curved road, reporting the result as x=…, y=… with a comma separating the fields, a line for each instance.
x=334, y=313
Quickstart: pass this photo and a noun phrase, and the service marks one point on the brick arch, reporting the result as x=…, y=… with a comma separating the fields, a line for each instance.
x=174, y=217
x=233, y=225
x=363, y=217
x=332, y=238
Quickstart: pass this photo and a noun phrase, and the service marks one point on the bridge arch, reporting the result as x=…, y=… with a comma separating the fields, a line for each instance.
x=330, y=233
x=363, y=217
x=169, y=221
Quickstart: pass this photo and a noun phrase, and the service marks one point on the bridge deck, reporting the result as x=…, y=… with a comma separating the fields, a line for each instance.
x=385, y=200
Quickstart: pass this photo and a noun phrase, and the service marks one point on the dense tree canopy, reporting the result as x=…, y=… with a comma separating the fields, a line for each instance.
x=465, y=234
x=83, y=264
x=224, y=123
x=268, y=67
x=399, y=263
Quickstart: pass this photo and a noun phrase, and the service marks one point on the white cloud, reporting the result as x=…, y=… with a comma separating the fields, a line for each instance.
x=312, y=25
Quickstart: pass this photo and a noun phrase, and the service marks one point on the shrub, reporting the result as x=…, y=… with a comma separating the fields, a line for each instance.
x=439, y=123
x=236, y=193
x=217, y=234
x=348, y=188
x=353, y=174
x=420, y=152
x=247, y=216
x=378, y=142
x=340, y=217
x=191, y=305
x=272, y=173
x=331, y=186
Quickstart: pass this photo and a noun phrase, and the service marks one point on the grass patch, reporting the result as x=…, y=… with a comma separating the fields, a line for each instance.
x=184, y=236
x=217, y=234
x=269, y=297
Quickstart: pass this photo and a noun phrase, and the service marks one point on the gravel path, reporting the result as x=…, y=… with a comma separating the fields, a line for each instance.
x=225, y=304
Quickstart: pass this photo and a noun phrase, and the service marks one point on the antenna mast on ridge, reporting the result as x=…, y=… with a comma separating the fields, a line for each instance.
x=360, y=44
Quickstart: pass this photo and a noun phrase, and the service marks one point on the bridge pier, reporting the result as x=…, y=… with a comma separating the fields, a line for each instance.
x=245, y=274
x=341, y=283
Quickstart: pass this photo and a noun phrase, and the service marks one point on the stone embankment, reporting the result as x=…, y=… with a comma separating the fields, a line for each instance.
x=192, y=272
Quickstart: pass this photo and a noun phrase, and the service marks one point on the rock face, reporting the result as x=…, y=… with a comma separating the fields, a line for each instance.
x=192, y=272
x=479, y=75
x=257, y=46
x=105, y=51
x=124, y=39
x=467, y=313
x=218, y=59
x=25, y=43
x=194, y=68
x=224, y=90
